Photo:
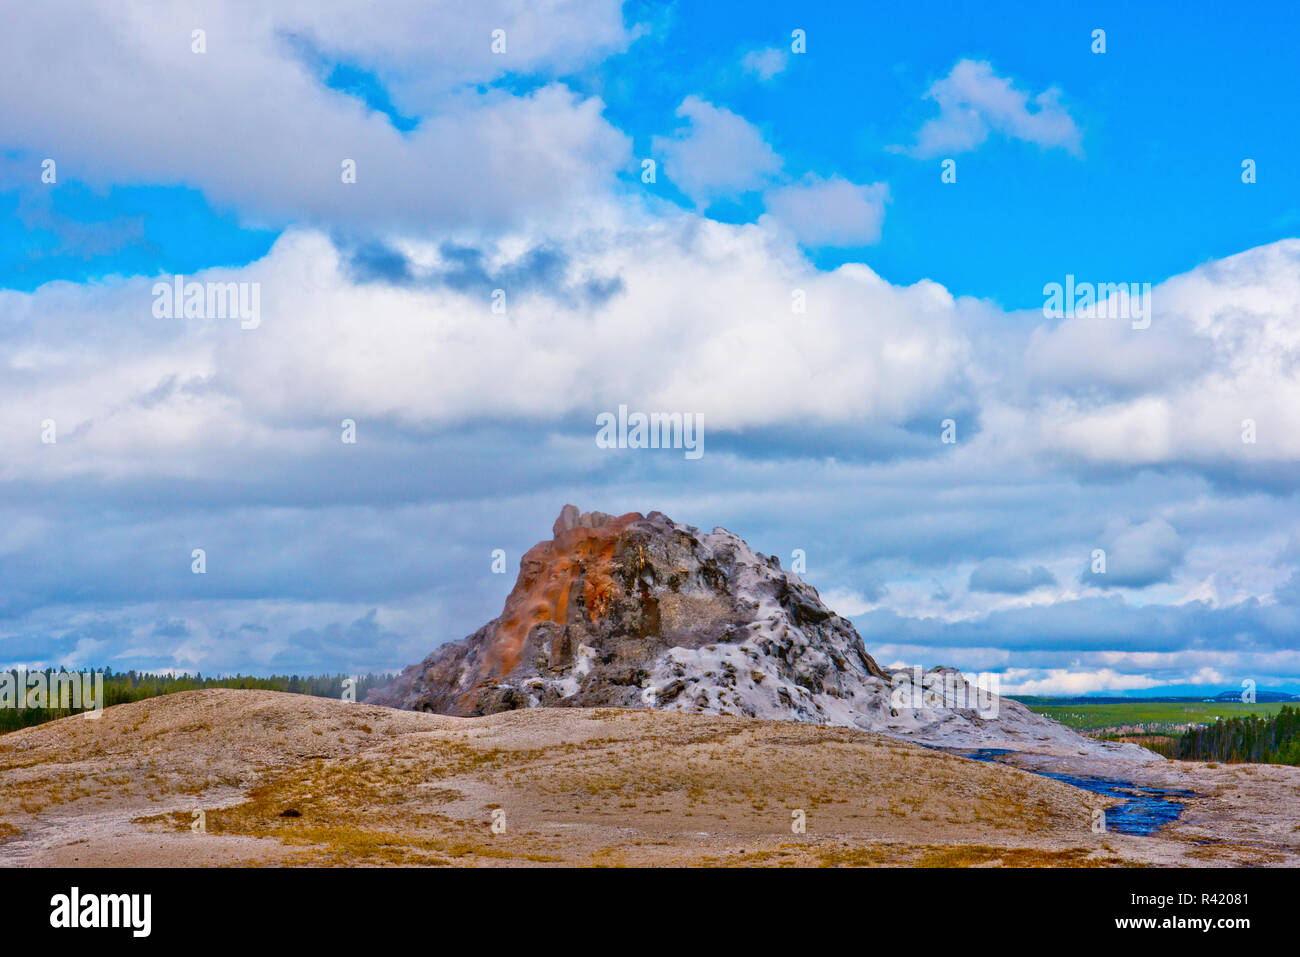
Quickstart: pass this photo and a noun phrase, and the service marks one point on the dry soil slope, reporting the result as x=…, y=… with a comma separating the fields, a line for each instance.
x=291, y=779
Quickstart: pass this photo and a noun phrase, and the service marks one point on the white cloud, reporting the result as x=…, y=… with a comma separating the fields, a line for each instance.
x=974, y=101
x=707, y=309
x=1223, y=347
x=1004, y=577
x=115, y=95
x=847, y=602
x=704, y=306
x=1138, y=555
x=1065, y=681
x=765, y=63
x=718, y=154
x=830, y=212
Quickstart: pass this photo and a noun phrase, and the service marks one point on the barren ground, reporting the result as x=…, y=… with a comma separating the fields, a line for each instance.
x=292, y=780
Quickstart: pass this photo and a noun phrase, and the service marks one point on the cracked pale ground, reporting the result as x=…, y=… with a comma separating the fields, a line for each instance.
x=285, y=779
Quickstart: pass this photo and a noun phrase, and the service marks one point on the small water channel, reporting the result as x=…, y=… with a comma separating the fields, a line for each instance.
x=1145, y=810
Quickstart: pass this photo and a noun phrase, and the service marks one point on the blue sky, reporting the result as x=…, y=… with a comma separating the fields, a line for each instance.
x=1167, y=113
x=776, y=171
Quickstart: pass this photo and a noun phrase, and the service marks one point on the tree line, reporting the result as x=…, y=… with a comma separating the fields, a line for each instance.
x=126, y=686
x=1272, y=740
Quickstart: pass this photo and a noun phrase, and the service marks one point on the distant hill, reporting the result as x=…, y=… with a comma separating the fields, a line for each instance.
x=1259, y=696
x=1225, y=696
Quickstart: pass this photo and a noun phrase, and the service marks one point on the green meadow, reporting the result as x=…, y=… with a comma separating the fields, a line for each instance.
x=1151, y=717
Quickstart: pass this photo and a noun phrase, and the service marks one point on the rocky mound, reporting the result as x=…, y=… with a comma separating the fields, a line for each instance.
x=638, y=611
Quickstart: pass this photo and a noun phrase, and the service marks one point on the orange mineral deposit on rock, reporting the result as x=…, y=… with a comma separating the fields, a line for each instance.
x=580, y=553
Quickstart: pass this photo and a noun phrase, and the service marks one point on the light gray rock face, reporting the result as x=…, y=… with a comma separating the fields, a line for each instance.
x=639, y=611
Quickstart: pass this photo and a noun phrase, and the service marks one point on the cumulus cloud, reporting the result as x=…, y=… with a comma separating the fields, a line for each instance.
x=717, y=154
x=256, y=128
x=1221, y=350
x=829, y=212
x=974, y=102
x=1062, y=681
x=176, y=434
x=434, y=353
x=1072, y=629
x=1138, y=556
x=1008, y=578
x=1289, y=592
x=765, y=63
x=849, y=602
